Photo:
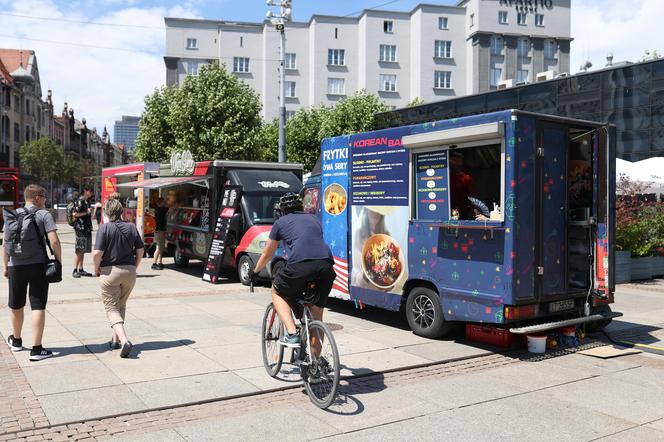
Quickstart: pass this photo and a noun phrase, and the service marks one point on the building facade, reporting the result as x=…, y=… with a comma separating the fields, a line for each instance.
x=433, y=52
x=631, y=96
x=23, y=113
x=125, y=131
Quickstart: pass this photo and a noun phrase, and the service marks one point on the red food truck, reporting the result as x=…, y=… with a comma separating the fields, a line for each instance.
x=135, y=200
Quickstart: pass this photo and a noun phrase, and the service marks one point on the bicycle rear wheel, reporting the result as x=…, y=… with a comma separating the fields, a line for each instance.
x=321, y=379
x=273, y=353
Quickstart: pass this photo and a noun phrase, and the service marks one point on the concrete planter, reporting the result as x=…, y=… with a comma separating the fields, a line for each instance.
x=623, y=267
x=641, y=268
x=658, y=266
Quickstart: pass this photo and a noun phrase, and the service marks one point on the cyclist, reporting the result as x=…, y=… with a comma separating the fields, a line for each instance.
x=308, y=259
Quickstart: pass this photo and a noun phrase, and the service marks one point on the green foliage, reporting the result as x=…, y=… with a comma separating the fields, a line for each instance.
x=351, y=115
x=639, y=223
x=303, y=136
x=415, y=102
x=155, y=138
x=42, y=158
x=214, y=115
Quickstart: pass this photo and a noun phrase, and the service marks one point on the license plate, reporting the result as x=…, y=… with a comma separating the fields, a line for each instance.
x=561, y=306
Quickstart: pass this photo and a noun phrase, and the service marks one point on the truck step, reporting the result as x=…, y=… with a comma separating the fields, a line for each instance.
x=564, y=323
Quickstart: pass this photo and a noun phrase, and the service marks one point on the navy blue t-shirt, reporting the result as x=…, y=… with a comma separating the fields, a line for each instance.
x=302, y=237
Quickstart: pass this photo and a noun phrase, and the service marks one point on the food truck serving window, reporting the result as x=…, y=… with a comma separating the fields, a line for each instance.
x=462, y=183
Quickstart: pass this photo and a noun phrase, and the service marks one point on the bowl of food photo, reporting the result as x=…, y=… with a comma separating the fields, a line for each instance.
x=382, y=261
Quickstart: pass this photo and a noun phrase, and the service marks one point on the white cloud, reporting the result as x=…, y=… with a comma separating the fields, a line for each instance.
x=100, y=84
x=625, y=29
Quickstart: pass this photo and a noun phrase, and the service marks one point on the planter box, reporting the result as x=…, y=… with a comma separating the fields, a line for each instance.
x=641, y=268
x=623, y=267
x=658, y=266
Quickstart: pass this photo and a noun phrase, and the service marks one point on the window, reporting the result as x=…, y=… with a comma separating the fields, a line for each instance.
x=388, y=26
x=388, y=83
x=521, y=19
x=192, y=43
x=496, y=76
x=241, y=41
x=241, y=64
x=290, y=89
x=496, y=45
x=290, y=61
x=549, y=49
x=442, y=80
x=442, y=23
x=521, y=75
x=502, y=17
x=192, y=68
x=27, y=133
x=17, y=133
x=336, y=86
x=336, y=33
x=539, y=20
x=388, y=53
x=336, y=57
x=442, y=49
x=523, y=48
x=472, y=20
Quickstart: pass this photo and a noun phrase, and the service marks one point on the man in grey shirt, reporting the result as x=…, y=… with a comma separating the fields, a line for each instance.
x=26, y=273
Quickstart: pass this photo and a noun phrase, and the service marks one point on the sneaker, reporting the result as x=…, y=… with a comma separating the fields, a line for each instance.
x=14, y=343
x=39, y=353
x=114, y=345
x=84, y=273
x=75, y=273
x=126, y=349
x=155, y=267
x=291, y=341
x=161, y=266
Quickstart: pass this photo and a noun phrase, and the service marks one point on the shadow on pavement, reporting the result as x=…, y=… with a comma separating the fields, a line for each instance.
x=158, y=345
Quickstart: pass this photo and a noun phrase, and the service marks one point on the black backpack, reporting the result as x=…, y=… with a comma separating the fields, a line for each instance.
x=24, y=239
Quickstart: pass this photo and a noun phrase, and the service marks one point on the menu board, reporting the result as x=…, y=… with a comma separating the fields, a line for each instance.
x=379, y=170
x=229, y=205
x=432, y=186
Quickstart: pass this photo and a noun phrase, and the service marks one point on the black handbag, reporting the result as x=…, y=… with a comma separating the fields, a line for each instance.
x=53, y=269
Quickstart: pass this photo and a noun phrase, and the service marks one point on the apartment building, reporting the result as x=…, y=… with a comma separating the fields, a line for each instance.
x=432, y=52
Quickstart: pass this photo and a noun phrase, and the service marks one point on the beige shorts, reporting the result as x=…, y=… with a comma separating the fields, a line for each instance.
x=160, y=240
x=116, y=283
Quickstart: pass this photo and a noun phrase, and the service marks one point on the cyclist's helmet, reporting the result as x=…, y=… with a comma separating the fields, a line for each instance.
x=290, y=202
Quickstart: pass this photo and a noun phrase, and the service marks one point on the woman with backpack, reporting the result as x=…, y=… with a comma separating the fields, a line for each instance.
x=117, y=254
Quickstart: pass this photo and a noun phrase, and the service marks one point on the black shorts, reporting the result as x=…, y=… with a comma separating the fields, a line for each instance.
x=22, y=277
x=83, y=241
x=291, y=281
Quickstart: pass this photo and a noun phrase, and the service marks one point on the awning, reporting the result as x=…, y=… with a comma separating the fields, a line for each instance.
x=158, y=183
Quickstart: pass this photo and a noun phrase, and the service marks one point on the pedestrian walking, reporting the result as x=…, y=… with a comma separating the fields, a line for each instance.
x=160, y=214
x=82, y=213
x=117, y=255
x=25, y=260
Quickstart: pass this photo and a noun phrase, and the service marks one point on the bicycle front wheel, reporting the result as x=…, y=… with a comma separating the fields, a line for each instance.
x=321, y=379
x=273, y=353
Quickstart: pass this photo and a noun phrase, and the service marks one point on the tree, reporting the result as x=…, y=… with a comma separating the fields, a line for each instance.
x=351, y=115
x=214, y=115
x=42, y=158
x=155, y=137
x=415, y=102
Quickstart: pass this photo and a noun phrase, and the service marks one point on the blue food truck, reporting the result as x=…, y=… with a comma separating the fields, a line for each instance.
x=504, y=219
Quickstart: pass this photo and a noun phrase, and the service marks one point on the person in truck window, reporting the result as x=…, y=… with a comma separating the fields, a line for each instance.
x=463, y=199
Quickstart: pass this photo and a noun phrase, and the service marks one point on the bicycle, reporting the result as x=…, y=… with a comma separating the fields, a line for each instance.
x=317, y=357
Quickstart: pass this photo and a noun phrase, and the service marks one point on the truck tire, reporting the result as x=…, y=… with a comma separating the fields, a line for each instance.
x=425, y=313
x=243, y=266
x=181, y=261
x=598, y=326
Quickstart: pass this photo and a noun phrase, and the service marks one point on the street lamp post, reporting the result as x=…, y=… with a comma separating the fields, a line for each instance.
x=279, y=22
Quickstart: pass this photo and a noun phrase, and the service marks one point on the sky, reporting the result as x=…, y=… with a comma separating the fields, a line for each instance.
x=104, y=56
